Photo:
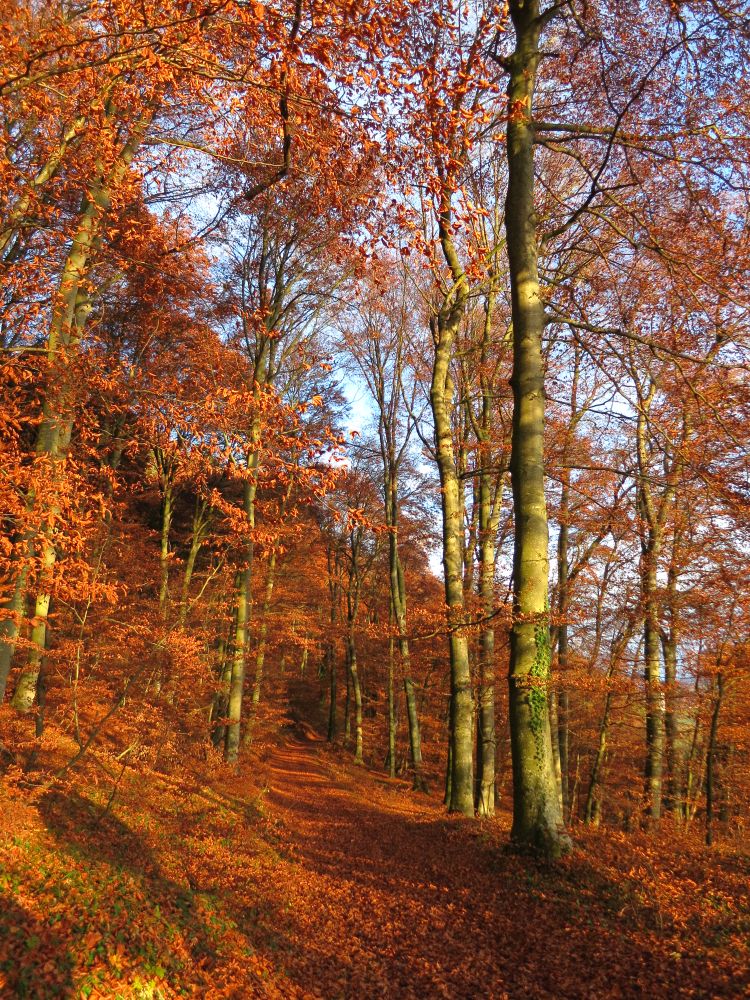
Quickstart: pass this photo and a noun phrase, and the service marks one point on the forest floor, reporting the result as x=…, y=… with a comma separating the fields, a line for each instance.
x=314, y=878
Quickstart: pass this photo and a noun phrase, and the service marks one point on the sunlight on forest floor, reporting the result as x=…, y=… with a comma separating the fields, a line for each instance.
x=303, y=876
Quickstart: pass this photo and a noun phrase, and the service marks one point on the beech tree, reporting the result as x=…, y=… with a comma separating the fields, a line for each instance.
x=619, y=104
x=520, y=234
x=379, y=344
x=454, y=78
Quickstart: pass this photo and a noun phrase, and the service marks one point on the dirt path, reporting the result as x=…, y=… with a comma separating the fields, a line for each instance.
x=392, y=898
x=299, y=875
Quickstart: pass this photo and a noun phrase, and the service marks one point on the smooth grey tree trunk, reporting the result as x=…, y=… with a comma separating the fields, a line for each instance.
x=537, y=818
x=444, y=329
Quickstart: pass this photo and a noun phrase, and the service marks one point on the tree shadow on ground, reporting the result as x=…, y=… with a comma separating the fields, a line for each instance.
x=261, y=924
x=35, y=960
x=440, y=907
x=186, y=943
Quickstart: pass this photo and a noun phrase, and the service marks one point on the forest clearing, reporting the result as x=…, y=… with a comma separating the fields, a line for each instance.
x=374, y=498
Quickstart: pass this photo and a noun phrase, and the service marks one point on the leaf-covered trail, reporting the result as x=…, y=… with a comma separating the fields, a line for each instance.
x=389, y=897
x=299, y=875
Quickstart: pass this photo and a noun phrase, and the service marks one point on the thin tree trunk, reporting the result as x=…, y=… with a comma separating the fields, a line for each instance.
x=25, y=691
x=488, y=519
x=486, y=735
x=260, y=656
x=562, y=721
x=391, y=761
x=333, y=593
x=669, y=648
x=200, y=527
x=670, y=638
x=445, y=326
x=654, y=692
x=461, y=757
x=237, y=677
x=592, y=809
x=653, y=517
x=333, y=694
x=220, y=704
x=398, y=603
x=449, y=757
x=594, y=794
x=554, y=728
x=357, y=697
x=244, y=595
x=693, y=781
x=711, y=759
x=352, y=610
x=167, y=513
x=347, y=702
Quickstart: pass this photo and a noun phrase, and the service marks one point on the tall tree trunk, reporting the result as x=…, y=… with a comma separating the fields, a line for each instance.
x=669, y=648
x=260, y=656
x=563, y=601
x=391, y=760
x=489, y=503
x=220, y=703
x=653, y=516
x=243, y=606
x=445, y=326
x=352, y=609
x=537, y=820
x=670, y=638
x=441, y=396
x=486, y=736
x=398, y=603
x=70, y=310
x=357, y=697
x=333, y=593
x=243, y=592
x=260, y=653
x=593, y=808
x=711, y=759
x=652, y=676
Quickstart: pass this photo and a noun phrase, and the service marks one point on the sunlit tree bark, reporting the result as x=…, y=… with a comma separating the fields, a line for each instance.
x=537, y=819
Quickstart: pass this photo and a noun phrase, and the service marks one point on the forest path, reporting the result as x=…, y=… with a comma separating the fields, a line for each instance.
x=389, y=897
